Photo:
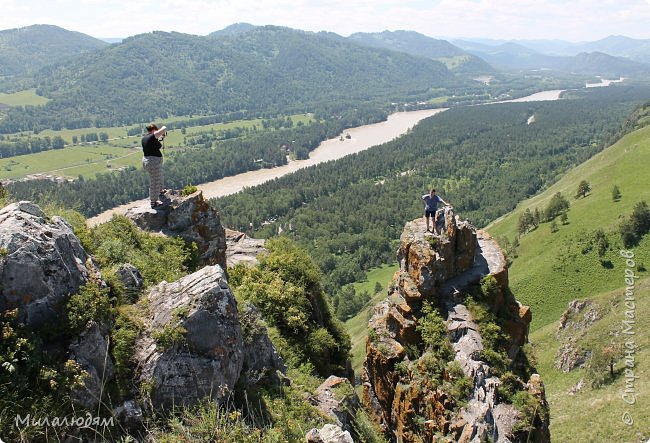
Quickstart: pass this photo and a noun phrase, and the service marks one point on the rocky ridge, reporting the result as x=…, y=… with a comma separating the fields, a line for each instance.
x=442, y=270
x=190, y=344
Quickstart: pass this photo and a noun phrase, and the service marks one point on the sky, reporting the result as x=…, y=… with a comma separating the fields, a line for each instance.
x=571, y=20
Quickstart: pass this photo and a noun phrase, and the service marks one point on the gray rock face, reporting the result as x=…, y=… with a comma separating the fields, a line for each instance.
x=189, y=217
x=242, y=249
x=131, y=279
x=262, y=363
x=209, y=360
x=329, y=434
x=41, y=262
x=90, y=351
x=336, y=398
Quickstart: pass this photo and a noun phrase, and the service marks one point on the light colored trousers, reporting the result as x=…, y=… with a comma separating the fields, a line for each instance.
x=154, y=167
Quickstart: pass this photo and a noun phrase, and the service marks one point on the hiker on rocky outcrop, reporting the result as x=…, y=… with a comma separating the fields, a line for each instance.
x=431, y=201
x=152, y=162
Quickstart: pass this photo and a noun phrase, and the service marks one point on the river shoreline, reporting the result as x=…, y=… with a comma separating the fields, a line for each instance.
x=361, y=138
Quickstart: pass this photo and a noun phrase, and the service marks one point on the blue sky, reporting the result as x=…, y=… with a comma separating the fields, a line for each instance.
x=573, y=20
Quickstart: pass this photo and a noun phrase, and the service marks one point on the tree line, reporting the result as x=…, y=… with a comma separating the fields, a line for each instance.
x=209, y=160
x=349, y=213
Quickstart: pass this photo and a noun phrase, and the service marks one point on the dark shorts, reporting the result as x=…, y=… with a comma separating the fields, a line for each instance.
x=429, y=213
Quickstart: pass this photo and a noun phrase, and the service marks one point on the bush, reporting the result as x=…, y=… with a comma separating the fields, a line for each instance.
x=286, y=288
x=556, y=206
x=189, y=189
x=91, y=303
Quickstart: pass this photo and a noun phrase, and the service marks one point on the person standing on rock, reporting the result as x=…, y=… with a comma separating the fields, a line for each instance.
x=152, y=162
x=431, y=201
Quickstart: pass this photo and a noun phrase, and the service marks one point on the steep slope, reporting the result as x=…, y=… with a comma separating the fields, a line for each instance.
x=555, y=270
x=551, y=268
x=420, y=45
x=267, y=69
x=24, y=50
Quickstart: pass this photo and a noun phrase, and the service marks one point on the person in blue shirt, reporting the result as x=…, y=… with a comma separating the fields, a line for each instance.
x=431, y=201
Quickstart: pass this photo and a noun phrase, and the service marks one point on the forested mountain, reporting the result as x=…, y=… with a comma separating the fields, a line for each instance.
x=267, y=69
x=511, y=55
x=27, y=49
x=420, y=45
x=235, y=28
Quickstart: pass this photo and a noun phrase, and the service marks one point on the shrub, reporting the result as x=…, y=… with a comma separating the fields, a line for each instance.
x=556, y=206
x=91, y=303
x=189, y=189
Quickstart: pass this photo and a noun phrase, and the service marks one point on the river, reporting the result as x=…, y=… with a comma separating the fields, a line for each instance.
x=361, y=138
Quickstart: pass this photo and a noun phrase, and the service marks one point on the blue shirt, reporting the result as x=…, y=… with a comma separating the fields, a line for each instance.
x=431, y=203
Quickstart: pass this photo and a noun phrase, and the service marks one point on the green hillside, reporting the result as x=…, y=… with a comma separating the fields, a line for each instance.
x=551, y=268
x=420, y=45
x=596, y=414
x=267, y=69
x=27, y=49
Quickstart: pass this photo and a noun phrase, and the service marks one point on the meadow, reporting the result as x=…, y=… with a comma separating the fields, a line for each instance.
x=22, y=98
x=121, y=150
x=357, y=326
x=552, y=267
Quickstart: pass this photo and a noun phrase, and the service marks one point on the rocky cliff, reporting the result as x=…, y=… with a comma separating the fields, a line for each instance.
x=189, y=343
x=190, y=218
x=444, y=351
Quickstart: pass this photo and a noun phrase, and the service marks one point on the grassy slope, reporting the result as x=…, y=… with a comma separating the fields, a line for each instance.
x=357, y=326
x=595, y=415
x=551, y=270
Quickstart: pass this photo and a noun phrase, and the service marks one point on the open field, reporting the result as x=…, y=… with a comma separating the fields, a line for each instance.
x=552, y=269
x=86, y=160
x=22, y=98
x=89, y=160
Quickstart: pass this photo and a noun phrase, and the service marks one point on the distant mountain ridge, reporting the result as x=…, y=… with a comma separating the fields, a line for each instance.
x=27, y=49
x=420, y=45
x=266, y=69
x=513, y=55
x=616, y=45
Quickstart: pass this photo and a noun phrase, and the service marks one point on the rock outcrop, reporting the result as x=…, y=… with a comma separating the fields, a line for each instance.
x=328, y=434
x=441, y=271
x=90, y=351
x=262, y=365
x=336, y=398
x=192, y=347
x=240, y=248
x=189, y=217
x=41, y=263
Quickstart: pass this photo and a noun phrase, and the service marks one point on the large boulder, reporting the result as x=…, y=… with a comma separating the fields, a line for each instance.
x=336, y=398
x=207, y=360
x=190, y=217
x=41, y=263
x=262, y=366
